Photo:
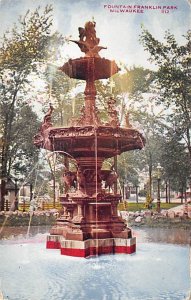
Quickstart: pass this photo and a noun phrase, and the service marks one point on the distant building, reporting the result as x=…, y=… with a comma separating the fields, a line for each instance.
x=11, y=191
x=24, y=193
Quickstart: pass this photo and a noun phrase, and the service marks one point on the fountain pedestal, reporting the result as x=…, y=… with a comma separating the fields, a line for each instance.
x=89, y=224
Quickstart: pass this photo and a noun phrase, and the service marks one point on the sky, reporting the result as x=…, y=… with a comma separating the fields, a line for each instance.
x=118, y=31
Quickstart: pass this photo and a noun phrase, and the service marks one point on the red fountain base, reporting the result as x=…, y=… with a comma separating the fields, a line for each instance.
x=89, y=226
x=91, y=247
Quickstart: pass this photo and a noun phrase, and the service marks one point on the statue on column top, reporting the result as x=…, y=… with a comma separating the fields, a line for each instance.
x=88, y=42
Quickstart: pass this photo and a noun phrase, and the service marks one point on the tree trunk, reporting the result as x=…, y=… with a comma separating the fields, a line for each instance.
x=166, y=191
x=169, y=191
x=189, y=142
x=150, y=181
x=3, y=192
x=182, y=193
x=136, y=187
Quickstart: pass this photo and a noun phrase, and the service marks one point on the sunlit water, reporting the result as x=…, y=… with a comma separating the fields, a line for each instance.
x=159, y=270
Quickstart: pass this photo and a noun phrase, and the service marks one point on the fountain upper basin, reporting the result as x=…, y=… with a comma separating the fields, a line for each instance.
x=80, y=68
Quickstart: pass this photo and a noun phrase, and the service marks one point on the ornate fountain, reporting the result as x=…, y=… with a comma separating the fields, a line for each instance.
x=90, y=224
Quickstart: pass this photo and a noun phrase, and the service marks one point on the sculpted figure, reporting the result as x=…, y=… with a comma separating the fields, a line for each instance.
x=90, y=33
x=111, y=179
x=70, y=178
x=88, y=42
x=89, y=175
x=109, y=176
x=112, y=112
x=127, y=123
x=47, y=118
x=82, y=33
x=81, y=178
x=49, y=113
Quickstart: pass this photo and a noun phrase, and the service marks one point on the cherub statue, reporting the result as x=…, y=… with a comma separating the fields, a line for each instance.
x=88, y=42
x=69, y=178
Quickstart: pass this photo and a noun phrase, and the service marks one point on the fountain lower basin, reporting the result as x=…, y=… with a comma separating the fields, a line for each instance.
x=79, y=141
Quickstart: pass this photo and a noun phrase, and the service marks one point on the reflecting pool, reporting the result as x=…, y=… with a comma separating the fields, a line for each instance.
x=158, y=270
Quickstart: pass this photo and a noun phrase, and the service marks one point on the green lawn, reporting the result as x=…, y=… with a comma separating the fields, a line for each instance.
x=141, y=206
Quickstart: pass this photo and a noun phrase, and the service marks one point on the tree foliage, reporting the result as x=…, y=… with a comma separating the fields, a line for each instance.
x=173, y=80
x=175, y=161
x=22, y=153
x=134, y=80
x=23, y=50
x=62, y=91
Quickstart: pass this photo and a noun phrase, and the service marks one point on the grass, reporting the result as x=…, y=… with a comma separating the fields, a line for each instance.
x=131, y=206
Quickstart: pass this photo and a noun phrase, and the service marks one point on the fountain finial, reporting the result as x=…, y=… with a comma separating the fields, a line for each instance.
x=88, y=41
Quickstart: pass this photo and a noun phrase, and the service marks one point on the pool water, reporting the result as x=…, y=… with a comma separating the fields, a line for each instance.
x=158, y=270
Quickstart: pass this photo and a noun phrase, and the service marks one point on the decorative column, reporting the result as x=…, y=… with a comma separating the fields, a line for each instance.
x=80, y=210
x=115, y=168
x=114, y=209
x=90, y=92
x=91, y=213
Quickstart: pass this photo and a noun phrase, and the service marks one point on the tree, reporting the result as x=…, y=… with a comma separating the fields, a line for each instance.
x=175, y=161
x=173, y=80
x=22, y=52
x=153, y=129
x=134, y=84
x=22, y=153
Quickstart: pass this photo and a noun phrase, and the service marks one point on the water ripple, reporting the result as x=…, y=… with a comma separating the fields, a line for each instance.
x=31, y=272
